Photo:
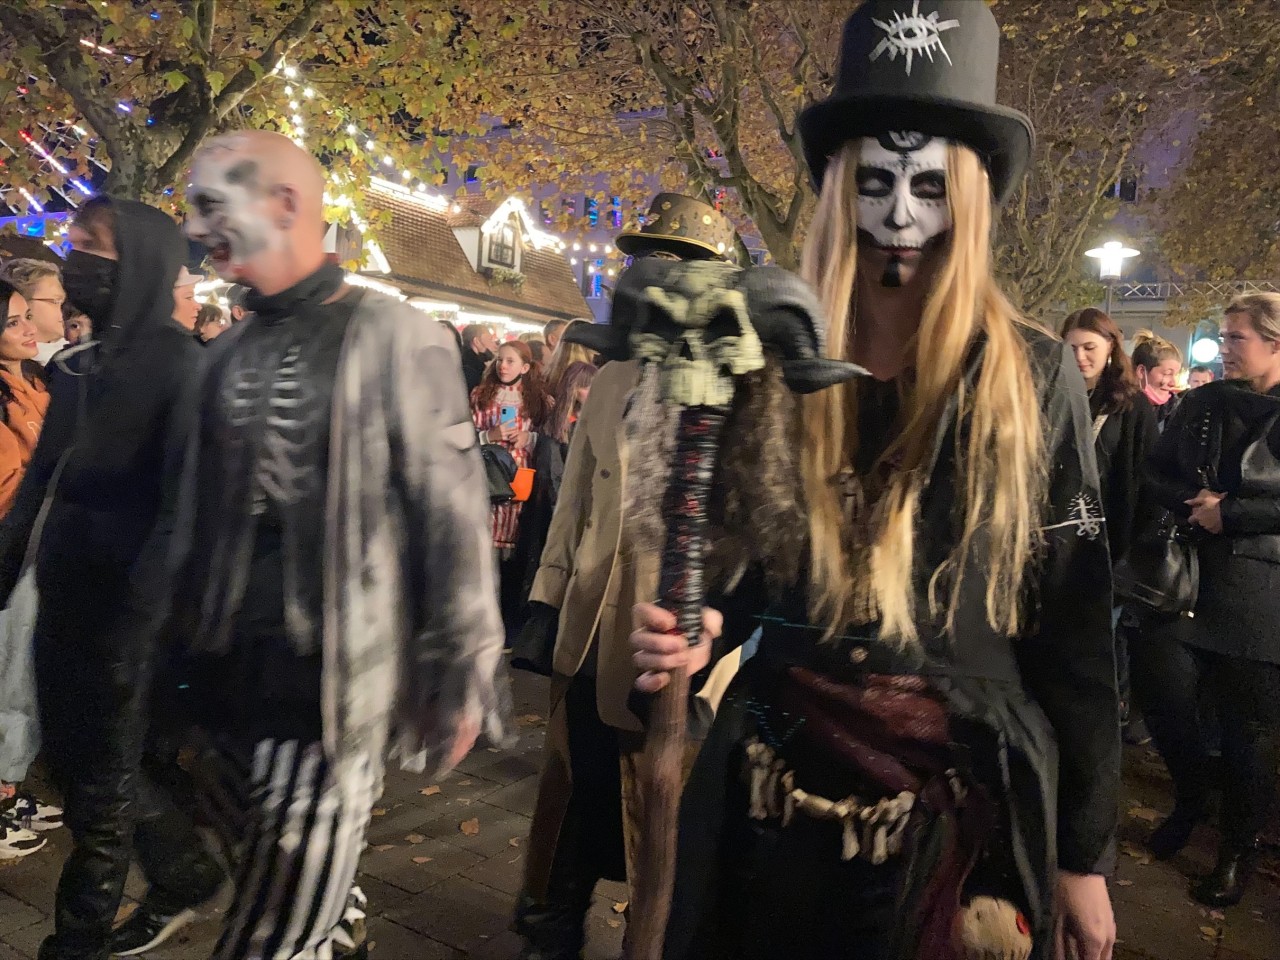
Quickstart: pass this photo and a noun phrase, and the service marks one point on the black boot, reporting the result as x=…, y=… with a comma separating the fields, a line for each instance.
x=1168, y=839
x=1225, y=886
x=550, y=931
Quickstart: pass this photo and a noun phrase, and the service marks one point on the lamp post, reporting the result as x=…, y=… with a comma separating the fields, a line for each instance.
x=1111, y=257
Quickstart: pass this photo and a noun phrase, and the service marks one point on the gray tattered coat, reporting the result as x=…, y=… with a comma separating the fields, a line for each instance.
x=411, y=635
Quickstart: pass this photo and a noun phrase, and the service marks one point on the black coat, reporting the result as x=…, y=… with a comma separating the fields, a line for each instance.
x=473, y=365
x=519, y=571
x=1042, y=708
x=1226, y=438
x=1121, y=448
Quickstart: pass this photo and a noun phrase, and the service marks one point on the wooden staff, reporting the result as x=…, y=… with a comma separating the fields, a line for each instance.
x=681, y=590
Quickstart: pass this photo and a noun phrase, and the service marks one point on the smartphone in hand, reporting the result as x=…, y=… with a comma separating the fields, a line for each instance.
x=507, y=416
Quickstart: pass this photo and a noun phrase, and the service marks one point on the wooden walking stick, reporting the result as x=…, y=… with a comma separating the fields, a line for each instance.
x=699, y=326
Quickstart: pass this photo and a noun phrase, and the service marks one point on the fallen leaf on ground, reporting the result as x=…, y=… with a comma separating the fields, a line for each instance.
x=620, y=907
x=1217, y=914
x=513, y=842
x=1124, y=883
x=379, y=811
x=1129, y=850
x=384, y=846
x=493, y=749
x=1209, y=931
x=415, y=838
x=464, y=783
x=422, y=859
x=529, y=720
x=470, y=827
x=430, y=791
x=1145, y=813
x=615, y=923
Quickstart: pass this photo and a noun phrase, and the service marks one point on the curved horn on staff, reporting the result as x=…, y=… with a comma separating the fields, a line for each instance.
x=788, y=318
x=607, y=339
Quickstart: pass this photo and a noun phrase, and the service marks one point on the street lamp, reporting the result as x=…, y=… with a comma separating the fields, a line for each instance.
x=1111, y=257
x=1205, y=350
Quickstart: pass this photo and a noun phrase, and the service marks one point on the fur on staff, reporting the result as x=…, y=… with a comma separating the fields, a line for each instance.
x=757, y=508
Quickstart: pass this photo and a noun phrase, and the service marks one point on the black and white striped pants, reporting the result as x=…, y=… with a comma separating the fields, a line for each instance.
x=307, y=827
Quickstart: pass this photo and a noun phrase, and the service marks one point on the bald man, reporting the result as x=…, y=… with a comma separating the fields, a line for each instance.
x=338, y=590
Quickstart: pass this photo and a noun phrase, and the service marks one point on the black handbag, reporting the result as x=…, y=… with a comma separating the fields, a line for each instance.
x=1161, y=571
x=499, y=471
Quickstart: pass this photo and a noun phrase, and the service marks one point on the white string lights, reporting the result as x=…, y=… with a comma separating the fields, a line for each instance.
x=540, y=238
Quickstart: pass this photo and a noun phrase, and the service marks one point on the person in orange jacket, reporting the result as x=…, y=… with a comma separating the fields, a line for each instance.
x=23, y=395
x=23, y=402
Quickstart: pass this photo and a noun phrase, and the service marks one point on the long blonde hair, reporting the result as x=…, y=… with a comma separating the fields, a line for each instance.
x=564, y=356
x=1000, y=471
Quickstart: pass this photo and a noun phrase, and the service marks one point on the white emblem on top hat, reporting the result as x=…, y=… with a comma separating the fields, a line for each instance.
x=912, y=35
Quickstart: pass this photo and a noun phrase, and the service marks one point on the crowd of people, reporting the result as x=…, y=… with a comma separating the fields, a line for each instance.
x=164, y=543
x=939, y=593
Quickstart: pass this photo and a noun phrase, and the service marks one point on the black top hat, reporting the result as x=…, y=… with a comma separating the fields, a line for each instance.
x=684, y=226
x=923, y=65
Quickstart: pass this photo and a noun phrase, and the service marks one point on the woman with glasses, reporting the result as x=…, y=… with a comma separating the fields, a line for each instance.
x=1217, y=467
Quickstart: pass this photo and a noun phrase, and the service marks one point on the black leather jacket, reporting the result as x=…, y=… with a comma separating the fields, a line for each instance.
x=1225, y=437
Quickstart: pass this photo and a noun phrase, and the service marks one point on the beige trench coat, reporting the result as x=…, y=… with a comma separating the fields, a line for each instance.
x=591, y=576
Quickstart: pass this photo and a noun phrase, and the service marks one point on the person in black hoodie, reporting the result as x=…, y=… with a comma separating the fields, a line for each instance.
x=85, y=509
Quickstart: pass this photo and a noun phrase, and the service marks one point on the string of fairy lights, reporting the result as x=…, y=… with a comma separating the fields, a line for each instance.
x=298, y=92
x=297, y=95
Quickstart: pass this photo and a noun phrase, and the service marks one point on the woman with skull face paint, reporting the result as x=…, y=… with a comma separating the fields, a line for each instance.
x=921, y=760
x=96, y=473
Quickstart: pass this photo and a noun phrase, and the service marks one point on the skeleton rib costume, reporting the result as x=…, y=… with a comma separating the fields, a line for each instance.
x=337, y=569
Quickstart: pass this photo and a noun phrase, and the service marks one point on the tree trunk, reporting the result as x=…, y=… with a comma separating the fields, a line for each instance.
x=136, y=163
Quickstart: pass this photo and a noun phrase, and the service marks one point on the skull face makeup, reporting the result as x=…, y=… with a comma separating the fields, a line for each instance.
x=902, y=200
x=230, y=215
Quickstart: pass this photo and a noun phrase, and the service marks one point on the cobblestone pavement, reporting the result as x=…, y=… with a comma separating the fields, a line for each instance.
x=443, y=867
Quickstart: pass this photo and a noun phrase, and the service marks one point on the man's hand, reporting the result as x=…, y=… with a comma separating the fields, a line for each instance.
x=468, y=730
x=1206, y=511
x=1085, y=928
x=659, y=651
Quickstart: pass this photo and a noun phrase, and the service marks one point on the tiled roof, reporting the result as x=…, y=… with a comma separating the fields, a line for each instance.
x=426, y=258
x=474, y=210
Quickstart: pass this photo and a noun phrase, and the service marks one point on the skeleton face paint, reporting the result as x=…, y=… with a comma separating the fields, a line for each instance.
x=229, y=213
x=902, y=200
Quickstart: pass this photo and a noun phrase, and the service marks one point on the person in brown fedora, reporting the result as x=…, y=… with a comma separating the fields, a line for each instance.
x=921, y=761
x=584, y=822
